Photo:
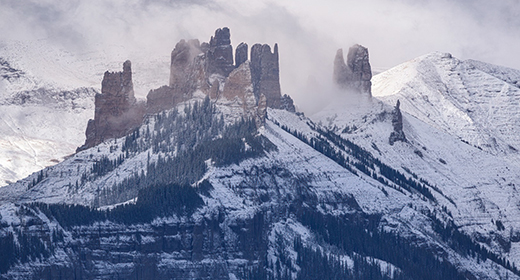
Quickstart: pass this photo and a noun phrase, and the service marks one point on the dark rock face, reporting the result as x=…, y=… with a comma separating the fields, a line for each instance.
x=161, y=99
x=265, y=73
x=116, y=110
x=241, y=54
x=193, y=66
x=181, y=59
x=182, y=83
x=286, y=103
x=139, y=255
x=118, y=87
x=397, y=123
x=356, y=73
x=7, y=72
x=220, y=53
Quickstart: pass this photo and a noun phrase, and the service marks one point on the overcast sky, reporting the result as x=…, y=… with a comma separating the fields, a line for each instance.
x=308, y=32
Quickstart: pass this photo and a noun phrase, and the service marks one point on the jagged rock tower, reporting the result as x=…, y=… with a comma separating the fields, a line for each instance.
x=209, y=67
x=220, y=53
x=266, y=74
x=116, y=110
x=181, y=60
x=397, y=124
x=241, y=54
x=356, y=73
x=251, y=85
x=182, y=82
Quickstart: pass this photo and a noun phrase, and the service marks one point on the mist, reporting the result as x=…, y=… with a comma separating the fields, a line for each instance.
x=308, y=32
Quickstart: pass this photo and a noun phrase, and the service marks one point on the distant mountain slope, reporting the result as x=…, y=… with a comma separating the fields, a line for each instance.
x=461, y=121
x=36, y=135
x=40, y=124
x=474, y=101
x=46, y=99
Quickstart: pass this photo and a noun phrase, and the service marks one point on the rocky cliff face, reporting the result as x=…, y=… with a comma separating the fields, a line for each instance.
x=116, y=109
x=397, y=124
x=182, y=83
x=238, y=92
x=266, y=74
x=219, y=56
x=181, y=63
x=356, y=73
x=209, y=67
x=286, y=103
x=241, y=54
x=206, y=67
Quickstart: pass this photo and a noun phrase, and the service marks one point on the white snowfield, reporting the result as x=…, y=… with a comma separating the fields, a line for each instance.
x=471, y=100
x=462, y=125
x=47, y=97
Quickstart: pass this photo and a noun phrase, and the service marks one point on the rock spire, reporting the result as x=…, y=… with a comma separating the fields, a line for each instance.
x=241, y=54
x=397, y=124
x=356, y=73
x=116, y=110
x=250, y=84
x=265, y=72
x=208, y=66
x=219, y=56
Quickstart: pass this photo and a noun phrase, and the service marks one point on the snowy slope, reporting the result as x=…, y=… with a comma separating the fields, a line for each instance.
x=51, y=66
x=36, y=135
x=461, y=120
x=474, y=101
x=46, y=99
x=240, y=191
x=41, y=122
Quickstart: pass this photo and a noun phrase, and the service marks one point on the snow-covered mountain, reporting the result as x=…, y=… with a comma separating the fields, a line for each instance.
x=461, y=123
x=471, y=100
x=196, y=192
x=42, y=120
x=46, y=99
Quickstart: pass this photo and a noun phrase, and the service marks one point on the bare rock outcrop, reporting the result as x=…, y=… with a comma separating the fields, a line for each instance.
x=266, y=74
x=356, y=73
x=238, y=83
x=238, y=92
x=181, y=59
x=219, y=56
x=241, y=54
x=261, y=111
x=286, y=103
x=185, y=64
x=208, y=66
x=116, y=110
x=397, y=124
x=161, y=99
x=252, y=85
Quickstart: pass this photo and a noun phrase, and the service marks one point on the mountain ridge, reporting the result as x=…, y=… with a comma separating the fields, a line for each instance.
x=482, y=116
x=204, y=190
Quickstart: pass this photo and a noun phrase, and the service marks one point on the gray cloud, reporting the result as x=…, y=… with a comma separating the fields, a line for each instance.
x=308, y=32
